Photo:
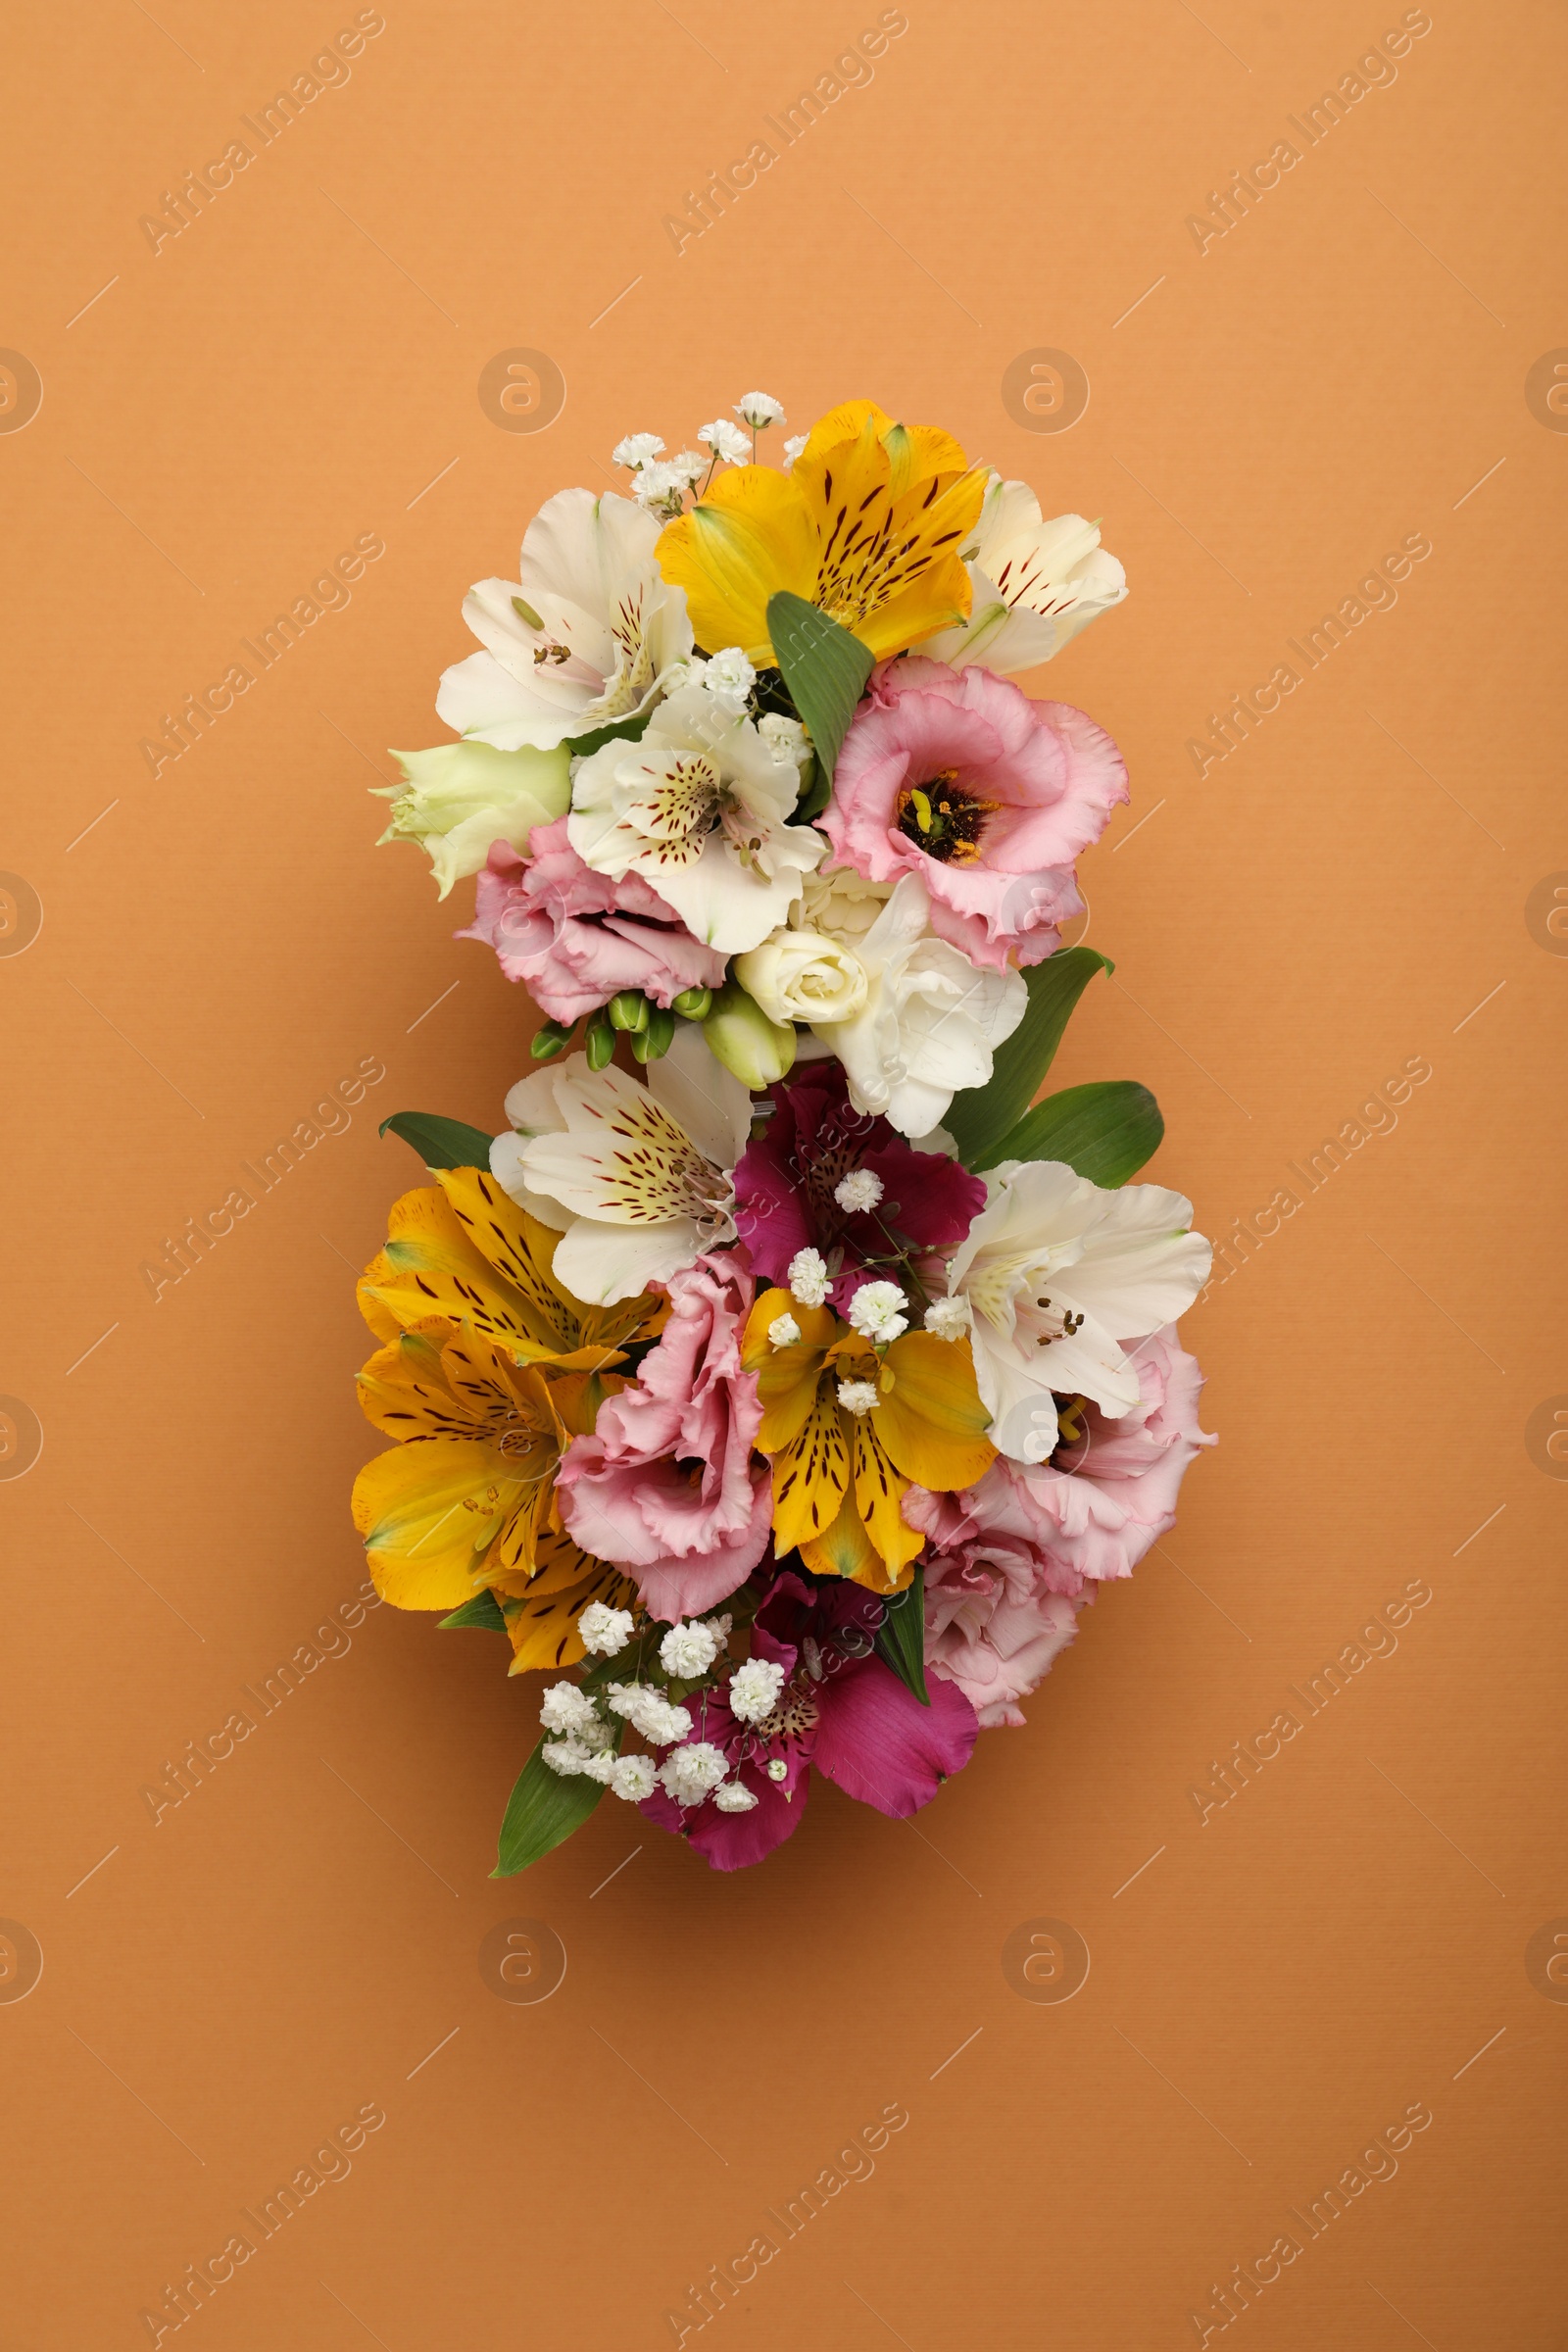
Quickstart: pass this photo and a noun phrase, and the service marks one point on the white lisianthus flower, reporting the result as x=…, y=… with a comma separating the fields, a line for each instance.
x=839, y=900
x=582, y=637
x=758, y=410
x=726, y=441
x=638, y=1180
x=638, y=449
x=930, y=1020
x=804, y=976
x=1034, y=584
x=698, y=807
x=1059, y=1275
x=458, y=798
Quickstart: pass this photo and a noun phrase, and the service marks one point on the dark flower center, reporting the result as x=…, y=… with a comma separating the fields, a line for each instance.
x=948, y=823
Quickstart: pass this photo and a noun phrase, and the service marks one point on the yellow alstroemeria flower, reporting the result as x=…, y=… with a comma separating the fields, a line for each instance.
x=489, y=1369
x=839, y=1478
x=866, y=527
x=468, y=1254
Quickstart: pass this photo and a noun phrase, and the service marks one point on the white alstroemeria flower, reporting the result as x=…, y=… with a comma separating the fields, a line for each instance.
x=1036, y=584
x=458, y=798
x=1058, y=1275
x=930, y=1020
x=583, y=637
x=698, y=807
x=638, y=1180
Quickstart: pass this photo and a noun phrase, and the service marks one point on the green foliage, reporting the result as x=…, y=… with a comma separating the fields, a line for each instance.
x=826, y=668
x=901, y=1637
x=440, y=1143
x=1106, y=1132
x=483, y=1611
x=543, y=1810
x=982, y=1118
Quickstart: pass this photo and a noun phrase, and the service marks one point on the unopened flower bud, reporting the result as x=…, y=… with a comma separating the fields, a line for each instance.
x=654, y=1042
x=693, y=1004
x=628, y=1010
x=550, y=1039
x=754, y=1049
x=600, y=1042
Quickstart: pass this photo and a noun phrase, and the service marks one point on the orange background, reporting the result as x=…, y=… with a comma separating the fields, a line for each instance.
x=1348, y=891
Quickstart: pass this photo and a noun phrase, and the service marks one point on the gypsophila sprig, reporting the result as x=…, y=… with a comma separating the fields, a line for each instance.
x=762, y=1381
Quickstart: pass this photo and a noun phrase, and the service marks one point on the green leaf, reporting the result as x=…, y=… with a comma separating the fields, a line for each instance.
x=815, y=786
x=543, y=1810
x=620, y=730
x=483, y=1611
x=901, y=1638
x=440, y=1143
x=826, y=668
x=1107, y=1131
x=979, y=1119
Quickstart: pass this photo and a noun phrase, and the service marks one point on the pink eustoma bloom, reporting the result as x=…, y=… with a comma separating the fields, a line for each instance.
x=959, y=777
x=577, y=937
x=667, y=1486
x=840, y=1709
x=785, y=1183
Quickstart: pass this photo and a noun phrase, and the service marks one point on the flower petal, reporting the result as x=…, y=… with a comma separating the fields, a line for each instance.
x=880, y=1745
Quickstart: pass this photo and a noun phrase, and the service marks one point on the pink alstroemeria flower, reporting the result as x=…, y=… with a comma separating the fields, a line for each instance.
x=840, y=1708
x=575, y=936
x=959, y=777
x=785, y=1185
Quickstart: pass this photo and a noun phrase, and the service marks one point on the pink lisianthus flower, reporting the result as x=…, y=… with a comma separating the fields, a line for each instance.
x=838, y=1708
x=577, y=937
x=667, y=1486
x=993, y=1624
x=958, y=776
x=785, y=1187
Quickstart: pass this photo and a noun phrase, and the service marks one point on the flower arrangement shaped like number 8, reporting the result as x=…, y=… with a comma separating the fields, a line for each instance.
x=800, y=1382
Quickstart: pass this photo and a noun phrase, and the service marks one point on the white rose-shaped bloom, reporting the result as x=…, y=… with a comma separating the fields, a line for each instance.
x=930, y=1021
x=837, y=900
x=1034, y=584
x=804, y=976
x=698, y=807
x=458, y=798
x=582, y=637
x=1058, y=1274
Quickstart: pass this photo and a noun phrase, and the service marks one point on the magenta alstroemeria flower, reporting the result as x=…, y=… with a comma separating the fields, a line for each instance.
x=785, y=1187
x=840, y=1708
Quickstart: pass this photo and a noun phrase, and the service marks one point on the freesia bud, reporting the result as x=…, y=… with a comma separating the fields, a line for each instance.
x=654, y=1042
x=550, y=1039
x=693, y=1004
x=628, y=1010
x=755, y=1050
x=600, y=1042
